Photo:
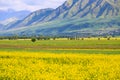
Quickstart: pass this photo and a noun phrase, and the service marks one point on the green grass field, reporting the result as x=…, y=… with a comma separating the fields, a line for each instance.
x=66, y=46
x=62, y=44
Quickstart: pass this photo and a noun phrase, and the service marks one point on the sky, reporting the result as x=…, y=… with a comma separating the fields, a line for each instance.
x=31, y=5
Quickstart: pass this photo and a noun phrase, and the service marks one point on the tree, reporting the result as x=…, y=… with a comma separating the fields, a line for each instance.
x=108, y=38
x=82, y=38
x=98, y=38
x=33, y=39
x=54, y=38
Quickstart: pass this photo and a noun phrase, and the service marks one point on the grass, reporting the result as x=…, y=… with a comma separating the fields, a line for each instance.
x=63, y=46
x=60, y=44
x=88, y=51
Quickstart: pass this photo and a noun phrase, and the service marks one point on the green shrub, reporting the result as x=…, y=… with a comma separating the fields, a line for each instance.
x=33, y=39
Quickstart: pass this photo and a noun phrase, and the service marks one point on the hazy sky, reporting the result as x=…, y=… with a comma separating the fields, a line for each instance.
x=29, y=4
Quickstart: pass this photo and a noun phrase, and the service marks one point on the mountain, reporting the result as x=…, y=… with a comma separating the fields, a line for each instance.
x=77, y=9
x=9, y=20
x=35, y=17
x=11, y=14
x=1, y=27
x=83, y=17
x=86, y=8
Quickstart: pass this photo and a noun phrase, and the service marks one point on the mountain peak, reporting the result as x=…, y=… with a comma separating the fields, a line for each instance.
x=70, y=2
x=86, y=8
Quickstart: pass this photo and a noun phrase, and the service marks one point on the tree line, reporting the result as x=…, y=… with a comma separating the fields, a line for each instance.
x=41, y=37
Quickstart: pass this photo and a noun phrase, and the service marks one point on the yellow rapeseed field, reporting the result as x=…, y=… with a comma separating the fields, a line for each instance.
x=64, y=66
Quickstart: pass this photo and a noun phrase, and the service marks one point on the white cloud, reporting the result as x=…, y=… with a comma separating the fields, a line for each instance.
x=29, y=4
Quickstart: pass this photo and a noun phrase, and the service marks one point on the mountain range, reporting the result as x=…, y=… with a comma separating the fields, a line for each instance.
x=81, y=17
x=11, y=15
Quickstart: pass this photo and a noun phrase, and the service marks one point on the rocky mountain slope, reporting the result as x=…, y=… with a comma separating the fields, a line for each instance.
x=75, y=8
x=35, y=17
x=86, y=8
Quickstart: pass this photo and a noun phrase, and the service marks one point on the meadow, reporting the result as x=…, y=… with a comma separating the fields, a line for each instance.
x=60, y=60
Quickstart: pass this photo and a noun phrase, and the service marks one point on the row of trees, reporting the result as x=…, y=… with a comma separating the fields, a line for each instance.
x=47, y=37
